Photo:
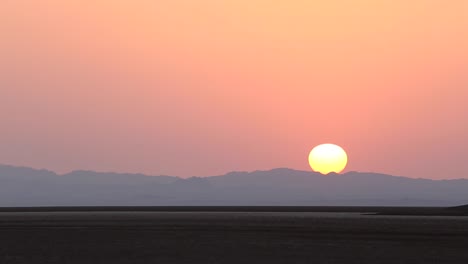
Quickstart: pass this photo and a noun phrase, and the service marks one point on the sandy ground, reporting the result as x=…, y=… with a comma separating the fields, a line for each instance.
x=230, y=237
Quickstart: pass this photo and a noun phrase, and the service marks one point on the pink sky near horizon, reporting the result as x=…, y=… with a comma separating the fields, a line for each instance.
x=199, y=88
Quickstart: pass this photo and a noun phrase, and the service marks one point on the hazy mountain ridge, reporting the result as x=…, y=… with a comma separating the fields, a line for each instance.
x=21, y=186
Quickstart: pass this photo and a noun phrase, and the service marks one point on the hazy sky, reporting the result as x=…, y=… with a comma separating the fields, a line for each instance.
x=203, y=87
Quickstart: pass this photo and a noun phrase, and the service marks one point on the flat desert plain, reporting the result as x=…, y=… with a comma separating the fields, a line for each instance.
x=172, y=236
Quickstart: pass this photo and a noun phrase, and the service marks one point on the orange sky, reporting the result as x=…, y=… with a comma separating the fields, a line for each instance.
x=205, y=87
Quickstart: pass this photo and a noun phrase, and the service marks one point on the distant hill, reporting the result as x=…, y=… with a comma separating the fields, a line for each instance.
x=21, y=186
x=463, y=208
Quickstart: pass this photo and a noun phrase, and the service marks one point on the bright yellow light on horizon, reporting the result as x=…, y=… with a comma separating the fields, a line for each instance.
x=328, y=158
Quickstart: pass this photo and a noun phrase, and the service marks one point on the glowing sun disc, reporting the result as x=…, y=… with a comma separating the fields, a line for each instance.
x=328, y=158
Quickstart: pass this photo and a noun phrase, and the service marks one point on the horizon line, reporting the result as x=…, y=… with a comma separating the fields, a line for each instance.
x=208, y=176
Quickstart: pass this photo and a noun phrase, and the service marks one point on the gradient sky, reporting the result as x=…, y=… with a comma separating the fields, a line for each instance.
x=185, y=87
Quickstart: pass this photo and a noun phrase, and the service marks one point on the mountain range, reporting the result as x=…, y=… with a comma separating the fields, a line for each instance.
x=21, y=186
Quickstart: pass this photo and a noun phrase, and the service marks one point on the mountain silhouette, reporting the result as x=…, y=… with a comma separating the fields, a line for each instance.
x=20, y=186
x=462, y=208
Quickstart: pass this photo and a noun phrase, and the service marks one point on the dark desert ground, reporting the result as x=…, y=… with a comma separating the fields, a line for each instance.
x=234, y=235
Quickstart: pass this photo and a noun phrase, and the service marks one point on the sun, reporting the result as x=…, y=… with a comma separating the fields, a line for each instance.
x=328, y=158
